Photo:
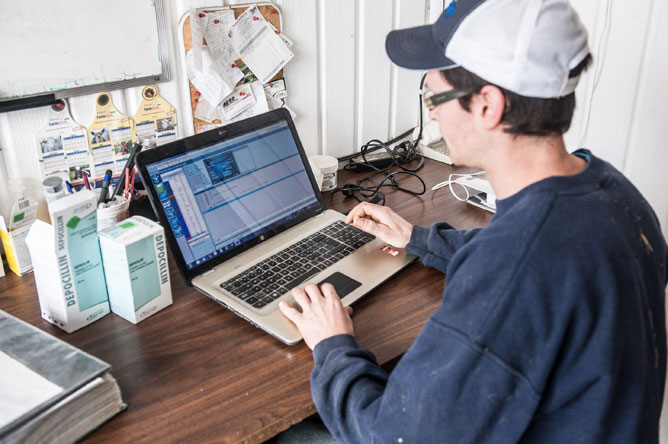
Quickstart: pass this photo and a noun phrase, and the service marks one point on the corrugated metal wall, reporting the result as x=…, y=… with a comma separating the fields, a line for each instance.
x=345, y=91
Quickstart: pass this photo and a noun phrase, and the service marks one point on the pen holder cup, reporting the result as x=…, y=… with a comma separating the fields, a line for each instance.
x=114, y=211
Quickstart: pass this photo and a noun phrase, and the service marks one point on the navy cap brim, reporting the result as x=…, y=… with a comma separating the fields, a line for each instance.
x=423, y=47
x=415, y=48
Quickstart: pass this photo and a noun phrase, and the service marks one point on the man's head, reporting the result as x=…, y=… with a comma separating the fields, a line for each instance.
x=532, y=51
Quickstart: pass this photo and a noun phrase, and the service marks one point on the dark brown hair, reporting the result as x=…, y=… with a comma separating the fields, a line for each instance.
x=522, y=115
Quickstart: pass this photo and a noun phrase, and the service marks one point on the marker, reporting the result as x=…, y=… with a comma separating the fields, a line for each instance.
x=105, y=187
x=69, y=187
x=134, y=150
x=85, y=179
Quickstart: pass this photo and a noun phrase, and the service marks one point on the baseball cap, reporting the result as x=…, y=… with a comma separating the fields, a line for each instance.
x=528, y=47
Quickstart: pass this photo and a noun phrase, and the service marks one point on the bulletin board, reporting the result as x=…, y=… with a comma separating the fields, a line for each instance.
x=61, y=49
x=268, y=11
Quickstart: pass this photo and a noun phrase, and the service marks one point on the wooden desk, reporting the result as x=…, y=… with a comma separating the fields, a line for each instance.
x=195, y=372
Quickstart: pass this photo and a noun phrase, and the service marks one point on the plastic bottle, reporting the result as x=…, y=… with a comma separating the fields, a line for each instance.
x=54, y=188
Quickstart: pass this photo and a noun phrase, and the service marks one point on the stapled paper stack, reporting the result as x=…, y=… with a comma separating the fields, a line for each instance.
x=50, y=391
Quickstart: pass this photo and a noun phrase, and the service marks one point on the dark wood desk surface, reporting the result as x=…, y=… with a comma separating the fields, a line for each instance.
x=195, y=372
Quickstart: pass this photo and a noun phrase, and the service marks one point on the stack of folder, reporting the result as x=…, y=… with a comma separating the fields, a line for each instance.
x=50, y=391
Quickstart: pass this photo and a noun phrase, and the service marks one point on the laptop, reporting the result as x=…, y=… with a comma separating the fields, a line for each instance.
x=246, y=222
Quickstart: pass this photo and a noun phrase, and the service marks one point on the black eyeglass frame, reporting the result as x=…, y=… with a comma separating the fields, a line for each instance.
x=431, y=100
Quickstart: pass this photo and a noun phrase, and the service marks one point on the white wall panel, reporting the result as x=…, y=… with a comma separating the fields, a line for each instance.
x=405, y=82
x=337, y=34
x=300, y=22
x=588, y=10
x=647, y=140
x=614, y=99
x=373, y=69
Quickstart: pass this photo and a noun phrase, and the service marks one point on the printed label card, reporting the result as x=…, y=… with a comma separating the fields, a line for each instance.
x=155, y=120
x=110, y=137
x=62, y=145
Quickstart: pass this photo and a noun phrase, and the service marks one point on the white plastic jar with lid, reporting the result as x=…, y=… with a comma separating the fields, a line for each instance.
x=54, y=188
x=328, y=166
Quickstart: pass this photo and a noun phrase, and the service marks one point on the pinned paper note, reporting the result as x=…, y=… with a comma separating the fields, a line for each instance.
x=258, y=44
x=259, y=104
x=276, y=89
x=239, y=101
x=198, y=22
x=212, y=83
x=205, y=111
x=223, y=54
x=216, y=33
x=155, y=120
x=62, y=145
x=110, y=136
x=212, y=68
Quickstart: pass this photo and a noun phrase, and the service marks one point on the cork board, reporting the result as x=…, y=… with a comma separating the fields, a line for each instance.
x=268, y=11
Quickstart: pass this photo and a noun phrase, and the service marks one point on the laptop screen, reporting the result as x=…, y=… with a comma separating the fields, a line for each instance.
x=232, y=191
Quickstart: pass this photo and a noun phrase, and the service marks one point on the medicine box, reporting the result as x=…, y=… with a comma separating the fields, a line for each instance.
x=135, y=265
x=13, y=235
x=18, y=258
x=67, y=263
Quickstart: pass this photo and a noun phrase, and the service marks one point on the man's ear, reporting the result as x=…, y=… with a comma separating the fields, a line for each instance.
x=490, y=106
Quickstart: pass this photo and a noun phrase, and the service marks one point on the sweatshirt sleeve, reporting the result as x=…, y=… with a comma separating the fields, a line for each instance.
x=450, y=386
x=436, y=245
x=444, y=389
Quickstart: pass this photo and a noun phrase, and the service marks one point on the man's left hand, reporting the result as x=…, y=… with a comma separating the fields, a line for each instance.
x=322, y=315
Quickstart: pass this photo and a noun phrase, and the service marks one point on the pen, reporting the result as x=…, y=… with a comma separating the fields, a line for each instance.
x=136, y=148
x=105, y=187
x=85, y=179
x=132, y=180
x=69, y=187
x=127, y=182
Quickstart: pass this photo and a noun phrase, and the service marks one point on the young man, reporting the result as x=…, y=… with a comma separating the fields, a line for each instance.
x=552, y=326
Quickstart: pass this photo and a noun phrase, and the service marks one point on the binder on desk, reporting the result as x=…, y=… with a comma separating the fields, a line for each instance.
x=49, y=390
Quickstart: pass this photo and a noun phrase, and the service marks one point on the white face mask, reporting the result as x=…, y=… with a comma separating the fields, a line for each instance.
x=460, y=183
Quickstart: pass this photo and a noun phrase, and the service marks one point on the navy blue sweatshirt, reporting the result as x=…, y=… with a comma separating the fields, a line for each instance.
x=551, y=329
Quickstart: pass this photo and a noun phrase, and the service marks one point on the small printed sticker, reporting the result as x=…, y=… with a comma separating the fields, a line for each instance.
x=389, y=250
x=73, y=222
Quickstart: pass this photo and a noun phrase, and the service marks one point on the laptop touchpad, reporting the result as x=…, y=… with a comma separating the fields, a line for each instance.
x=342, y=283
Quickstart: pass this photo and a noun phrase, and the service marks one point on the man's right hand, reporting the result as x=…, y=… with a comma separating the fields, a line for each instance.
x=382, y=222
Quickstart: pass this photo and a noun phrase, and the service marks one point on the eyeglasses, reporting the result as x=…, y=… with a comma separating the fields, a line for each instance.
x=432, y=100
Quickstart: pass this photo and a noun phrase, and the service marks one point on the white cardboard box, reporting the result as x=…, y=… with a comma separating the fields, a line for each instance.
x=67, y=263
x=135, y=265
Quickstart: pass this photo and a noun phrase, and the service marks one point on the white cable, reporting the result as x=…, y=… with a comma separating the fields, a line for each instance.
x=600, y=61
x=450, y=181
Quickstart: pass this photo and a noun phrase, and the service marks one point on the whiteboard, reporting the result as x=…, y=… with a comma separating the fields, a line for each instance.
x=73, y=47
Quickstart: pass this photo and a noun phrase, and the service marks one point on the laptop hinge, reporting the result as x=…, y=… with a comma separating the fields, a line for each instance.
x=207, y=272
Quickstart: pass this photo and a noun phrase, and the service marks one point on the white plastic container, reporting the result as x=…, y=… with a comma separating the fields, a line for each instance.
x=328, y=166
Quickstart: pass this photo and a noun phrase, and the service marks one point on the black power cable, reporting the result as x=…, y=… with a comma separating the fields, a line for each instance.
x=402, y=154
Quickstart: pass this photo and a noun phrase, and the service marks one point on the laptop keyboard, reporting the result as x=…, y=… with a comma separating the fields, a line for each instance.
x=268, y=280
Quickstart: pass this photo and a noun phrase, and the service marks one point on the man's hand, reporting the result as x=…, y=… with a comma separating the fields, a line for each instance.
x=322, y=315
x=382, y=222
